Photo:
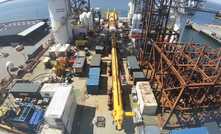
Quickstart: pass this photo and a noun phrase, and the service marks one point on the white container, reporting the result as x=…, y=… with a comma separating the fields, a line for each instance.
x=48, y=89
x=146, y=98
x=59, y=50
x=61, y=110
x=62, y=50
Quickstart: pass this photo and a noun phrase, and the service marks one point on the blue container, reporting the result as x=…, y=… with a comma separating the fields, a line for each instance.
x=92, y=89
x=93, y=81
x=95, y=71
x=200, y=130
x=93, y=85
x=94, y=77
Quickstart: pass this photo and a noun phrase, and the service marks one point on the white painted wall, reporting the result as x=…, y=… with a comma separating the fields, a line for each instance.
x=59, y=12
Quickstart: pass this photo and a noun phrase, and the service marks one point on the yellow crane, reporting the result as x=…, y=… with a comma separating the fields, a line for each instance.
x=118, y=111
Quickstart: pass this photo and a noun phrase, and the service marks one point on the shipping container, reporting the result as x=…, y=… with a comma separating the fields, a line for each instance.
x=48, y=89
x=25, y=89
x=93, y=81
x=200, y=130
x=95, y=60
x=61, y=110
x=138, y=76
x=146, y=99
x=132, y=65
x=59, y=50
x=92, y=89
x=62, y=50
x=93, y=84
x=94, y=72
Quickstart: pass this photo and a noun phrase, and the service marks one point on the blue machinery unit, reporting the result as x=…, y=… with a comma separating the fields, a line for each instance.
x=28, y=119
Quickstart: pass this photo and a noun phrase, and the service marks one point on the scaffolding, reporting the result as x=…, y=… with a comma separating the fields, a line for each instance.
x=185, y=77
x=155, y=17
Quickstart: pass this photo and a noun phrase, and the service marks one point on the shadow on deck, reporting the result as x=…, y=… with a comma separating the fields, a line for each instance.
x=83, y=120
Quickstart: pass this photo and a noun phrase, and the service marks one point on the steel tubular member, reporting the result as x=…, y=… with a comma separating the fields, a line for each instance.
x=188, y=78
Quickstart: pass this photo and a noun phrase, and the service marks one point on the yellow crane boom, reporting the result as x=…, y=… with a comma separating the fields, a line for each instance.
x=118, y=111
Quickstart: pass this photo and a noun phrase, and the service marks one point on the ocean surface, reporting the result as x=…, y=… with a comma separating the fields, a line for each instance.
x=190, y=35
x=23, y=10
x=35, y=9
x=38, y=9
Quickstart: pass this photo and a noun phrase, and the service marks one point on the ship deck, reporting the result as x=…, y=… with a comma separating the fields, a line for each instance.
x=90, y=106
x=18, y=58
x=212, y=31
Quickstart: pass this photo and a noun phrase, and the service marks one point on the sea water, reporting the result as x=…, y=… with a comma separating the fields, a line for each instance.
x=38, y=9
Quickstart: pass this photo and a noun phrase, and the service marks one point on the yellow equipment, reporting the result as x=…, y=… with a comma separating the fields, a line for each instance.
x=112, y=18
x=118, y=111
x=3, y=111
x=59, y=68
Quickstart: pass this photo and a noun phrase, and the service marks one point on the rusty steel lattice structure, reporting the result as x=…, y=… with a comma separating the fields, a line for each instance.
x=185, y=77
x=155, y=17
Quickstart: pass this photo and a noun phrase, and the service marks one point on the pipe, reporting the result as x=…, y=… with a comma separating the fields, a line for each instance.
x=9, y=129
